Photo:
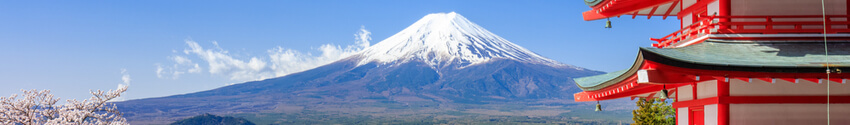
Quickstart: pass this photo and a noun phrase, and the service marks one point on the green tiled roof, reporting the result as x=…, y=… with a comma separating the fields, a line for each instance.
x=762, y=56
x=595, y=80
x=592, y=2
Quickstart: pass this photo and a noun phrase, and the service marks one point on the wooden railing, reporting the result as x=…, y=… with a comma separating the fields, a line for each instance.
x=757, y=25
x=697, y=29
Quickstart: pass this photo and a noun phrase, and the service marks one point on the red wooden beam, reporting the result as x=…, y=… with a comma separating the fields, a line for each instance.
x=696, y=6
x=719, y=78
x=792, y=80
x=696, y=102
x=748, y=80
x=635, y=14
x=723, y=108
x=672, y=6
x=651, y=95
x=814, y=80
x=642, y=89
x=607, y=94
x=633, y=5
x=658, y=76
x=621, y=7
x=649, y=15
x=592, y=15
x=673, y=91
x=769, y=80
x=838, y=80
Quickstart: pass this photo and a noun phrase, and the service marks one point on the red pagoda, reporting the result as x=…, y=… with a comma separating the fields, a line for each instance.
x=774, y=62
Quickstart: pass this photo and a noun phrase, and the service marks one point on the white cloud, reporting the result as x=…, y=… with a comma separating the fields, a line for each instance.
x=363, y=37
x=125, y=81
x=182, y=65
x=125, y=77
x=281, y=61
x=196, y=69
x=286, y=61
x=221, y=62
x=181, y=60
x=159, y=71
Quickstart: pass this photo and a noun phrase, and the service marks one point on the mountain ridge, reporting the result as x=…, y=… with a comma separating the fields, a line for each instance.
x=412, y=73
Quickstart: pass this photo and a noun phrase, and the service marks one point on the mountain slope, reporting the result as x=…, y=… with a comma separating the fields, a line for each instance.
x=441, y=63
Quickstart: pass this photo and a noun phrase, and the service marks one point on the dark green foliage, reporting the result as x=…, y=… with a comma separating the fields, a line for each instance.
x=653, y=112
x=209, y=119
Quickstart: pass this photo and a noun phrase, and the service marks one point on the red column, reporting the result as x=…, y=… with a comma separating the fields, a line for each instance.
x=677, y=109
x=677, y=116
x=725, y=9
x=722, y=107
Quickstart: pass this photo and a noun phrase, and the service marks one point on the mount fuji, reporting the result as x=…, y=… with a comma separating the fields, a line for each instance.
x=448, y=38
x=441, y=63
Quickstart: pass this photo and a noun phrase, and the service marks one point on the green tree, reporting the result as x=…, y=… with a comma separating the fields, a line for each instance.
x=209, y=119
x=653, y=112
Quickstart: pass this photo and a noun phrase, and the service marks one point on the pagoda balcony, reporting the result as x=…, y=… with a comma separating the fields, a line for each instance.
x=777, y=25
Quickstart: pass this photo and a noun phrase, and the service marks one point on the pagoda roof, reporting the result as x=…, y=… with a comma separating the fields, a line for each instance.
x=725, y=55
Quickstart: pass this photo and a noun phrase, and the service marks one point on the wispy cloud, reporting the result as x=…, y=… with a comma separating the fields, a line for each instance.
x=286, y=61
x=181, y=66
x=125, y=81
x=280, y=61
x=125, y=77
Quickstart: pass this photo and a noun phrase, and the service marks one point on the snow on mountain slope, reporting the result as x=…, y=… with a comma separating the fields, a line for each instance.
x=444, y=38
x=441, y=64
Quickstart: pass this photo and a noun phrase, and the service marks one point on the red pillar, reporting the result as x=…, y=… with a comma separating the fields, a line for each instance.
x=677, y=109
x=677, y=116
x=722, y=107
x=725, y=9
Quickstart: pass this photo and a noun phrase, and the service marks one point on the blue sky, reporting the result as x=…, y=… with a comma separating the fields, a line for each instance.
x=71, y=47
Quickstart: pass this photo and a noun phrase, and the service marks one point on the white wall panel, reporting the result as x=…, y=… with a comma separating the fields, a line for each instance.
x=787, y=7
x=686, y=3
x=788, y=114
x=686, y=20
x=707, y=89
x=710, y=114
x=785, y=88
x=684, y=93
x=683, y=116
x=712, y=8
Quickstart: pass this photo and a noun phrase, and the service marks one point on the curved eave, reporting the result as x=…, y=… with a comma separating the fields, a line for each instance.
x=594, y=3
x=612, y=8
x=597, y=82
x=712, y=61
x=767, y=57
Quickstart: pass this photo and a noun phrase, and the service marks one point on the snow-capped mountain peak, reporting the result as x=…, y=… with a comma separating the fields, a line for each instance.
x=444, y=38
